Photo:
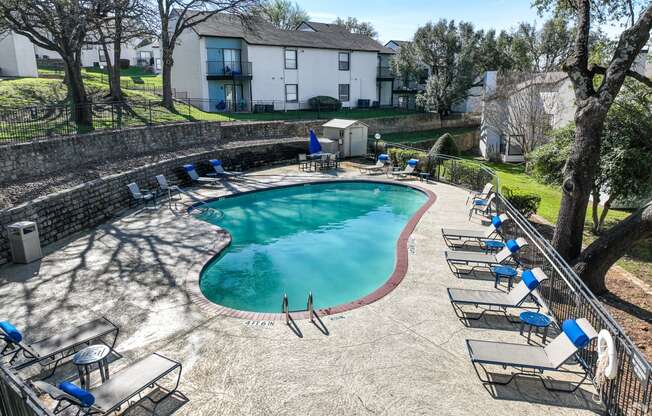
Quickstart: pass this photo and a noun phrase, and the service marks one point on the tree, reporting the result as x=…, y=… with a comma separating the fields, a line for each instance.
x=61, y=26
x=176, y=16
x=450, y=52
x=593, y=103
x=124, y=21
x=625, y=169
x=284, y=14
x=405, y=64
x=354, y=26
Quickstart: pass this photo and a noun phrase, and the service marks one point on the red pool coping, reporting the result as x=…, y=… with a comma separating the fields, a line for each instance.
x=400, y=268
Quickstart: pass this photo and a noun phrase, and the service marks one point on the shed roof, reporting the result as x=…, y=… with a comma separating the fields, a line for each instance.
x=340, y=123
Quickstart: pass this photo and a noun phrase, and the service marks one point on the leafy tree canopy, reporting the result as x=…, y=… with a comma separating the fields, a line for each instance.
x=354, y=26
x=283, y=14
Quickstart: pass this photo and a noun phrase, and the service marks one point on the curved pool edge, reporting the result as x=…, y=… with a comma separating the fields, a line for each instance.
x=397, y=276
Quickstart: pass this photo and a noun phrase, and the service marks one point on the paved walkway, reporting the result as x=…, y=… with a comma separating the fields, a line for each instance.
x=404, y=354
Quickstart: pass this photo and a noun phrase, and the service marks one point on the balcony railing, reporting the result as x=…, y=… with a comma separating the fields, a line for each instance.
x=385, y=72
x=228, y=68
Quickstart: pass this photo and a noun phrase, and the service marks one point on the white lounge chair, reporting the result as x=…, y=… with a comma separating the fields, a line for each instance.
x=575, y=335
x=497, y=301
x=408, y=171
x=482, y=206
x=190, y=170
x=219, y=169
x=118, y=390
x=472, y=260
x=455, y=238
x=381, y=166
x=482, y=194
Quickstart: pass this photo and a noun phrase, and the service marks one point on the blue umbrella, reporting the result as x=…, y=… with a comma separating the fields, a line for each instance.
x=314, y=146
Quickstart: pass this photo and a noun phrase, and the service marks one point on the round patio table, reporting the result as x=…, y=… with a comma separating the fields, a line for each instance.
x=492, y=246
x=504, y=272
x=86, y=358
x=535, y=321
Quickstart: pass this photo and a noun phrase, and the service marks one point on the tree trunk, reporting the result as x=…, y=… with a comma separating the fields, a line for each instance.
x=594, y=262
x=116, y=88
x=81, y=111
x=168, y=101
x=578, y=178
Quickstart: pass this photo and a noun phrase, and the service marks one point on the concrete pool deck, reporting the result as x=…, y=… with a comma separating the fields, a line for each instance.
x=403, y=354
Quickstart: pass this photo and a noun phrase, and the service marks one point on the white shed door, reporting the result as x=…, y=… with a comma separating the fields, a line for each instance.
x=358, y=143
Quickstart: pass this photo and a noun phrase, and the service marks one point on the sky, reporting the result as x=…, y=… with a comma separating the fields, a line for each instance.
x=399, y=19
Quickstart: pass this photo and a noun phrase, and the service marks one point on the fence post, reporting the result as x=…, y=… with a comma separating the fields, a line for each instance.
x=65, y=107
x=149, y=104
x=112, y=115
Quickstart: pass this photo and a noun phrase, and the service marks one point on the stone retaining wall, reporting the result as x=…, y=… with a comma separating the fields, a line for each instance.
x=47, y=157
x=62, y=214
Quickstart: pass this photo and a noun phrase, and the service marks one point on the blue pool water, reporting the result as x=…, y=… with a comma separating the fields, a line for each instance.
x=337, y=240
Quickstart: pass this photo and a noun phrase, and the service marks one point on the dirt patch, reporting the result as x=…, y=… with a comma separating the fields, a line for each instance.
x=631, y=305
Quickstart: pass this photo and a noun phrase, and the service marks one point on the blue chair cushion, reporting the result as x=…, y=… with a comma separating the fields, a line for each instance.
x=383, y=157
x=85, y=397
x=215, y=162
x=13, y=334
x=530, y=281
x=575, y=333
x=513, y=246
x=496, y=221
x=479, y=202
x=188, y=168
x=413, y=162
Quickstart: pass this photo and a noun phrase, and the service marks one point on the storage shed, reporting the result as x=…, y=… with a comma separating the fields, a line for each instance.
x=350, y=134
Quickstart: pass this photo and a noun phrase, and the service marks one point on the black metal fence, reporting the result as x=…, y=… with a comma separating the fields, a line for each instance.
x=43, y=122
x=17, y=398
x=564, y=294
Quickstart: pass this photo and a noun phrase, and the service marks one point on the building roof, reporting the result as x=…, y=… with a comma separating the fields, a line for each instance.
x=260, y=32
x=399, y=42
x=326, y=27
x=340, y=123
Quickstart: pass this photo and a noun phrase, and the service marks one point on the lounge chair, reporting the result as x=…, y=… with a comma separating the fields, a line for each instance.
x=381, y=166
x=219, y=169
x=459, y=238
x=575, y=335
x=56, y=348
x=408, y=171
x=140, y=196
x=482, y=206
x=493, y=300
x=118, y=390
x=190, y=170
x=475, y=260
x=482, y=194
x=165, y=188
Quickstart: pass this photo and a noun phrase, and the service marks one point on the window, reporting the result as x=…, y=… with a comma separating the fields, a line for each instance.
x=290, y=59
x=344, y=59
x=344, y=92
x=291, y=93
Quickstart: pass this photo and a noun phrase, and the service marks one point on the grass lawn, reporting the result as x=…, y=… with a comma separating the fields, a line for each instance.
x=422, y=136
x=637, y=261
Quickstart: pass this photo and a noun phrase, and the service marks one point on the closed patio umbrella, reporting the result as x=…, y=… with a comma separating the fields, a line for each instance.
x=314, y=146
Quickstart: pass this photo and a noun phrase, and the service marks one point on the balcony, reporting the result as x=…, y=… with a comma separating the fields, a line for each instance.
x=385, y=73
x=216, y=70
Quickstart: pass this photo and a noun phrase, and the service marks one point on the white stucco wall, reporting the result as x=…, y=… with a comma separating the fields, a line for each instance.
x=317, y=73
x=189, y=69
x=17, y=56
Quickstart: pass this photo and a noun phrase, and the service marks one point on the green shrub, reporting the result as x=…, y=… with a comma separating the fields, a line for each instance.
x=445, y=145
x=400, y=158
x=324, y=103
x=546, y=163
x=526, y=203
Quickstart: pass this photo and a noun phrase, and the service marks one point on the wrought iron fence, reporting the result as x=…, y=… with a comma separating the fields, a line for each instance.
x=17, y=398
x=43, y=122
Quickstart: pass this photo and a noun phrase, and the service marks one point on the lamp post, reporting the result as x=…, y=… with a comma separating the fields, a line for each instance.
x=377, y=136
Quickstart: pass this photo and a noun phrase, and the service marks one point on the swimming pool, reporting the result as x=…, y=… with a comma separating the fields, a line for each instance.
x=337, y=240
